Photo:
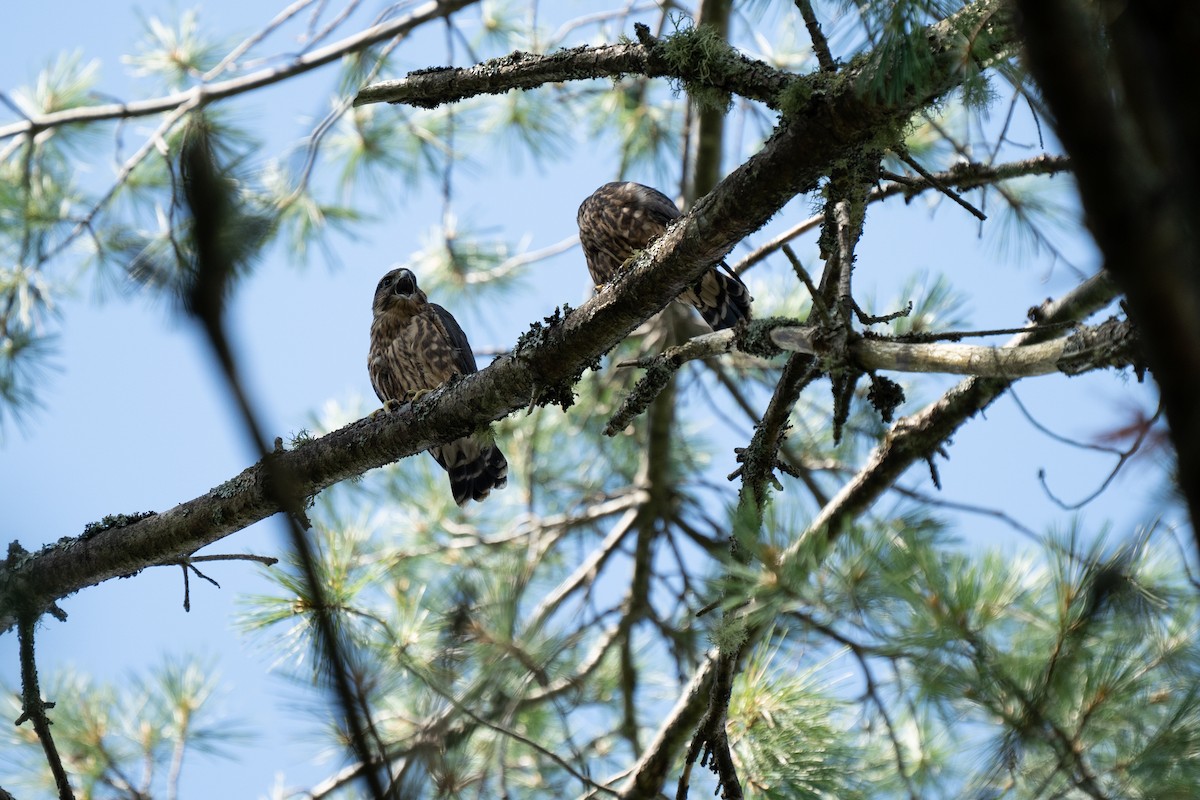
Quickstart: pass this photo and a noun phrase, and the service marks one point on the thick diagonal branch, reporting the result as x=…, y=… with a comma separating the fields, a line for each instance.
x=826, y=128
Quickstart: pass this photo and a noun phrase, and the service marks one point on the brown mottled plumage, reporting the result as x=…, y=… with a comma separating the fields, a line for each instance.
x=417, y=346
x=619, y=219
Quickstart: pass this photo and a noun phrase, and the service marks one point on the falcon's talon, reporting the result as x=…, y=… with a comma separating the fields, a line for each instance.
x=389, y=407
x=414, y=395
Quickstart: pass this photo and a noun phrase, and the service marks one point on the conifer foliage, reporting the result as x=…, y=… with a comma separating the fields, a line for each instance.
x=724, y=561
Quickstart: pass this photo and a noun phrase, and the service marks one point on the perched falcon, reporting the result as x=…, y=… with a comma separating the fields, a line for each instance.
x=417, y=346
x=619, y=219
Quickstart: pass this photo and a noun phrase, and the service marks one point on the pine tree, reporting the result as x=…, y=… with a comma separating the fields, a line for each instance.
x=622, y=620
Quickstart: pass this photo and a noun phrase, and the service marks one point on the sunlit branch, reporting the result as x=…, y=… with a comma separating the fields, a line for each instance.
x=231, y=58
x=917, y=436
x=207, y=93
x=1113, y=344
x=1110, y=344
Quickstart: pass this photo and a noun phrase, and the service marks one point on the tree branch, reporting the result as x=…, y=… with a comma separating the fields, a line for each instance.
x=207, y=93
x=33, y=708
x=1111, y=344
x=961, y=176
x=429, y=88
x=917, y=437
x=546, y=362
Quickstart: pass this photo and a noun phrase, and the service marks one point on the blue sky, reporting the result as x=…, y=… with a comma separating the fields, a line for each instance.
x=135, y=418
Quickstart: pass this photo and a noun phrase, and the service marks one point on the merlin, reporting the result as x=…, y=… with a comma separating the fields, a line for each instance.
x=417, y=346
x=618, y=219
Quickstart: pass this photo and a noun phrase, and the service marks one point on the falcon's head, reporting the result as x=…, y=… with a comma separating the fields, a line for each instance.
x=398, y=291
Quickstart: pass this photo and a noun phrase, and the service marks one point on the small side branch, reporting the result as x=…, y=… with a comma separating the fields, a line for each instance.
x=659, y=371
x=961, y=176
x=819, y=42
x=429, y=88
x=936, y=182
x=1113, y=343
x=711, y=742
x=34, y=708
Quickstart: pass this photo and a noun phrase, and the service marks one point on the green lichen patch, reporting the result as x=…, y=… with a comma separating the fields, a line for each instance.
x=115, y=521
x=703, y=60
x=536, y=335
x=558, y=393
x=796, y=96
x=657, y=376
x=754, y=338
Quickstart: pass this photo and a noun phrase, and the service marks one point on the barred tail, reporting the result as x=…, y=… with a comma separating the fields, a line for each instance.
x=722, y=299
x=475, y=466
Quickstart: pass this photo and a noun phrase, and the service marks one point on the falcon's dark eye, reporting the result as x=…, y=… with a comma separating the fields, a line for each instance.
x=386, y=282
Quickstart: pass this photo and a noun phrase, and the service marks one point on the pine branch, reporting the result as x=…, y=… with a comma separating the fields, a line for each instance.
x=918, y=436
x=33, y=708
x=687, y=57
x=545, y=364
x=430, y=88
x=1113, y=343
x=207, y=93
x=962, y=176
x=911, y=441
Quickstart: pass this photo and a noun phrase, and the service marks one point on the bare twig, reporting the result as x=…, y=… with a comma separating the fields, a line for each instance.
x=963, y=176
x=937, y=183
x=231, y=58
x=818, y=302
x=33, y=708
x=1123, y=457
x=970, y=508
x=588, y=569
x=819, y=42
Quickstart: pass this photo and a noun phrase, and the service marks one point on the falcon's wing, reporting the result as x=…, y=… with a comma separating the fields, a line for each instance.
x=464, y=358
x=657, y=205
x=617, y=220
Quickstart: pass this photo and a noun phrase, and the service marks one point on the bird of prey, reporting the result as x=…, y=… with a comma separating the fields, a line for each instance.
x=417, y=346
x=618, y=219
